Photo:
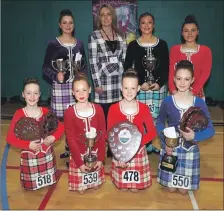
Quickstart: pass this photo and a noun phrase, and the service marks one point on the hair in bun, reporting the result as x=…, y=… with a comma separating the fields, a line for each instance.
x=30, y=80
x=130, y=73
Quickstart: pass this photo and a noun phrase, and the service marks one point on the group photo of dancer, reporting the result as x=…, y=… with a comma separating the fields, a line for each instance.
x=109, y=102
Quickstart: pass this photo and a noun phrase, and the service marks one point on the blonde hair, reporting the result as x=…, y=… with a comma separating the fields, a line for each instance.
x=114, y=18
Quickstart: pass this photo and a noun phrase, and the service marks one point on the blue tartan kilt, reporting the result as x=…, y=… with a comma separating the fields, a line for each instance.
x=188, y=165
x=61, y=97
x=153, y=99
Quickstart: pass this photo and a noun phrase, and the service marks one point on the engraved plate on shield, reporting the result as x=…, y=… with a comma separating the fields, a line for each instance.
x=124, y=141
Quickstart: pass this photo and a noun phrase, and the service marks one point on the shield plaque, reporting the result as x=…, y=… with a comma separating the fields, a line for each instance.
x=124, y=141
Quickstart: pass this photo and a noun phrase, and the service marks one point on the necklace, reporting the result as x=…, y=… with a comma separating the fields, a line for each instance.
x=111, y=43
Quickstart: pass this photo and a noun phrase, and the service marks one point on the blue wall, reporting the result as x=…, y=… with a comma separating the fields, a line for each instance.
x=28, y=25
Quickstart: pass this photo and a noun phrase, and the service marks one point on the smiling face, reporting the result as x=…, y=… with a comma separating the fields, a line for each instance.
x=81, y=91
x=31, y=94
x=183, y=79
x=190, y=32
x=106, y=17
x=130, y=88
x=66, y=24
x=146, y=25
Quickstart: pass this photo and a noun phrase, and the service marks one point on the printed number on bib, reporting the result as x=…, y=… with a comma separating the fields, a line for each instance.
x=130, y=176
x=90, y=178
x=180, y=181
x=44, y=180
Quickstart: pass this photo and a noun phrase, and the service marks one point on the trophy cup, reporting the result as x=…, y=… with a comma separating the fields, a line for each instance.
x=78, y=63
x=61, y=66
x=150, y=63
x=90, y=158
x=169, y=162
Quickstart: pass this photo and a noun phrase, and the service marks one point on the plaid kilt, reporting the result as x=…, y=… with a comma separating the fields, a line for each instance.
x=61, y=97
x=140, y=163
x=153, y=99
x=75, y=178
x=188, y=165
x=32, y=166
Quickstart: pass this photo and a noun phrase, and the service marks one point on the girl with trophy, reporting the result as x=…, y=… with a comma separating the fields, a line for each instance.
x=174, y=109
x=64, y=56
x=85, y=129
x=199, y=55
x=149, y=56
x=38, y=162
x=134, y=174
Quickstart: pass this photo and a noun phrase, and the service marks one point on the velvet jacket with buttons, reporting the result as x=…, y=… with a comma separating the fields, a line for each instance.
x=135, y=54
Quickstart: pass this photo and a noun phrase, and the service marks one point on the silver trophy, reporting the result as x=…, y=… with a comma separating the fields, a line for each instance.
x=90, y=158
x=150, y=63
x=61, y=66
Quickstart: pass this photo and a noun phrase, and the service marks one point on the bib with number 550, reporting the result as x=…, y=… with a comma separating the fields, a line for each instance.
x=181, y=181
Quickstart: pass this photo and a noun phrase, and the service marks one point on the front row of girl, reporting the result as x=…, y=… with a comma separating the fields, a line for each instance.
x=38, y=165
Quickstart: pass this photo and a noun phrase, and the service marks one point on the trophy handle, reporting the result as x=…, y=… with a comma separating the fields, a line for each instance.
x=52, y=63
x=98, y=135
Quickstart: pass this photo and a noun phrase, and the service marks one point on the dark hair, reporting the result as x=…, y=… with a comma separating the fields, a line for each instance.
x=63, y=13
x=80, y=77
x=130, y=73
x=142, y=16
x=185, y=64
x=30, y=81
x=188, y=20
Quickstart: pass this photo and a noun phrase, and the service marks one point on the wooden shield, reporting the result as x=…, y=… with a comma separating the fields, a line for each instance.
x=124, y=141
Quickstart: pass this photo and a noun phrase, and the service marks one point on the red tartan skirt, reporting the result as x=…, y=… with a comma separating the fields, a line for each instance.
x=136, y=176
x=37, y=171
x=78, y=181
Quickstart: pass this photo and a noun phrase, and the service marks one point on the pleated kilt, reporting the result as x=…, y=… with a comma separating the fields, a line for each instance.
x=61, y=97
x=153, y=99
x=188, y=165
x=34, y=167
x=139, y=163
x=77, y=179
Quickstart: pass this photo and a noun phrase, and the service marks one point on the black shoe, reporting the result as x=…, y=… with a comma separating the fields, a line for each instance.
x=67, y=164
x=64, y=155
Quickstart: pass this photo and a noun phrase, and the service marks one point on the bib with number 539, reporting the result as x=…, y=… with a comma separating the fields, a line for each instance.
x=90, y=178
x=130, y=176
x=181, y=181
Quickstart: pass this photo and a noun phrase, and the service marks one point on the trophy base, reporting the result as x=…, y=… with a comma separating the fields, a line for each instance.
x=169, y=163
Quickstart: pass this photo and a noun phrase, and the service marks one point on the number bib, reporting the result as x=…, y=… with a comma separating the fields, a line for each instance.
x=130, y=176
x=44, y=180
x=180, y=181
x=90, y=178
x=113, y=60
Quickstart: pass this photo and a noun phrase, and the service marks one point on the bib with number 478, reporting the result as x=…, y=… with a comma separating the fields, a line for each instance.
x=131, y=176
x=181, y=181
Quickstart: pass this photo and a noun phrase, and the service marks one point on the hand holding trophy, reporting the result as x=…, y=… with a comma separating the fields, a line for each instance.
x=61, y=67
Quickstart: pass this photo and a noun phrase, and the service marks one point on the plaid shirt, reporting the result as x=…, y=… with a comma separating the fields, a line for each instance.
x=106, y=74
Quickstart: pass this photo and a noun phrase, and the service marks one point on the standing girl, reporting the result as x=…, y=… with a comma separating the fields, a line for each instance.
x=172, y=110
x=38, y=163
x=79, y=119
x=65, y=47
x=129, y=109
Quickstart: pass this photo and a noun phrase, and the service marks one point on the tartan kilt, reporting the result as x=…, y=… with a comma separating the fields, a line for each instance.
x=188, y=164
x=61, y=97
x=32, y=166
x=75, y=178
x=140, y=162
x=153, y=99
